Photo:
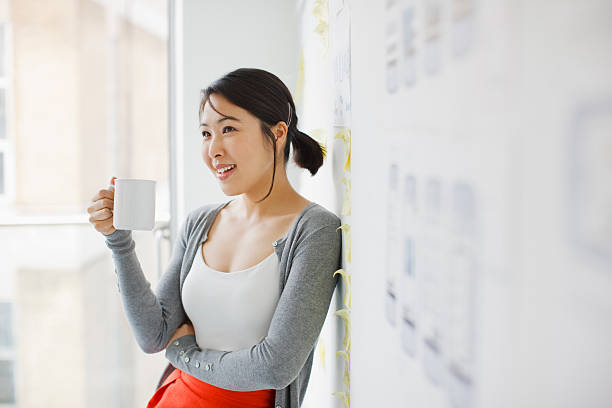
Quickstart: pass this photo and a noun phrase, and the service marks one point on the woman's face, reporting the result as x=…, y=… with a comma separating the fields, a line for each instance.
x=235, y=137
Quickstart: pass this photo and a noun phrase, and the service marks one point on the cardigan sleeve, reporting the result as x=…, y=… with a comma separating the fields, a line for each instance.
x=153, y=317
x=295, y=326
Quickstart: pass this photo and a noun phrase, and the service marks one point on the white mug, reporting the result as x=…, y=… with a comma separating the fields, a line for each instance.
x=134, y=204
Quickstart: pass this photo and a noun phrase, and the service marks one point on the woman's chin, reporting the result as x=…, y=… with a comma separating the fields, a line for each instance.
x=229, y=190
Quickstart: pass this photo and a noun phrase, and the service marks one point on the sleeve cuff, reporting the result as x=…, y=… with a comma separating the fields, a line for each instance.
x=119, y=241
x=178, y=347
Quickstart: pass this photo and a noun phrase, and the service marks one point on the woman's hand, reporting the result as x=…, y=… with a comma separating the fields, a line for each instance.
x=101, y=210
x=184, y=330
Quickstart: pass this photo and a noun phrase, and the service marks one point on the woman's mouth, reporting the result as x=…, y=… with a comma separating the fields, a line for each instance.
x=225, y=174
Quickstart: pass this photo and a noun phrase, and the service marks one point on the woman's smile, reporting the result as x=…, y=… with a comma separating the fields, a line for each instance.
x=224, y=175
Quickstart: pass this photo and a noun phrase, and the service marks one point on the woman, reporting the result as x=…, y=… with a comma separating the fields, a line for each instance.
x=242, y=302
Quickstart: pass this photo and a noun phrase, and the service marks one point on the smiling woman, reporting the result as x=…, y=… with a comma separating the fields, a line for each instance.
x=245, y=271
x=245, y=104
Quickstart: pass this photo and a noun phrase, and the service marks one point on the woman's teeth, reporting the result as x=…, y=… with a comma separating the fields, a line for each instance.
x=223, y=170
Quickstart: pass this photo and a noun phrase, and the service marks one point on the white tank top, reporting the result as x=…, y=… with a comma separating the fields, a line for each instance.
x=231, y=311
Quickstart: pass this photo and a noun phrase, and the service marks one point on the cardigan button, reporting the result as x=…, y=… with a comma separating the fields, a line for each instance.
x=197, y=364
x=176, y=343
x=274, y=243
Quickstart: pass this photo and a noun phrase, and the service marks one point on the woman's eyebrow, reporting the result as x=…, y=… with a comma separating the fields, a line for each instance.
x=222, y=119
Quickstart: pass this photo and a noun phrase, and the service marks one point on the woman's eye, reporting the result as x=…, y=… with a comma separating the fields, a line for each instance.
x=206, y=134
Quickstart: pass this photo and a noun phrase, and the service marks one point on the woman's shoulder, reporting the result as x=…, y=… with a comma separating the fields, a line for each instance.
x=203, y=211
x=317, y=217
x=198, y=216
x=318, y=229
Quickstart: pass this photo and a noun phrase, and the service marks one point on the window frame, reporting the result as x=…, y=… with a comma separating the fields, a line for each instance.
x=7, y=145
x=9, y=354
x=7, y=197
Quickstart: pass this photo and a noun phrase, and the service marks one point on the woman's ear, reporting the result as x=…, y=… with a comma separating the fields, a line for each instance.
x=280, y=129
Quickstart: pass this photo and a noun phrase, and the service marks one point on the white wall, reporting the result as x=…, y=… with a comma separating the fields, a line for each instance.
x=217, y=37
x=512, y=105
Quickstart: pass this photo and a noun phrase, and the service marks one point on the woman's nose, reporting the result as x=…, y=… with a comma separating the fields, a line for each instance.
x=214, y=147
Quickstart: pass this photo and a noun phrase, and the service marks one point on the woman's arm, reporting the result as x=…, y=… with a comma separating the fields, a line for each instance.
x=153, y=317
x=297, y=321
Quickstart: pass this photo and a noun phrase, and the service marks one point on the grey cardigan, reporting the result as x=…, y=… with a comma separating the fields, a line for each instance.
x=308, y=255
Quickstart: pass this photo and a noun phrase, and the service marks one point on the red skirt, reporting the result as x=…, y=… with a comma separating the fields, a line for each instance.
x=181, y=390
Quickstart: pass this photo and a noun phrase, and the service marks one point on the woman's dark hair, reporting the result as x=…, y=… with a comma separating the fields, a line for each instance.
x=266, y=97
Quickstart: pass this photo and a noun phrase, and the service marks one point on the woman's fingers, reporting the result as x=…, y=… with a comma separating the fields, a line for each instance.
x=101, y=204
x=104, y=203
x=184, y=329
x=110, y=194
x=101, y=209
x=101, y=215
x=105, y=227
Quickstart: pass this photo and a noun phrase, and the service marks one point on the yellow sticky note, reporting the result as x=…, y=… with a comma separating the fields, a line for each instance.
x=346, y=378
x=347, y=166
x=321, y=349
x=343, y=396
x=345, y=314
x=345, y=135
x=346, y=279
x=346, y=204
x=344, y=354
x=322, y=28
x=321, y=12
x=348, y=293
x=321, y=9
x=346, y=228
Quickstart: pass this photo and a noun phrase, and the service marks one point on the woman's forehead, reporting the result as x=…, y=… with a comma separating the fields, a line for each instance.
x=218, y=106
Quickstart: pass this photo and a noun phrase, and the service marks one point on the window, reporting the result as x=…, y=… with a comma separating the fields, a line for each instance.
x=6, y=326
x=7, y=378
x=5, y=140
x=101, y=110
x=1, y=172
x=7, y=388
x=2, y=113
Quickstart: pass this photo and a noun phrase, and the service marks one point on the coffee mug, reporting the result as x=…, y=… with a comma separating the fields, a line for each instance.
x=134, y=204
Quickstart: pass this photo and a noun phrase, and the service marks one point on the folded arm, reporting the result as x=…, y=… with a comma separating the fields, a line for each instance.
x=154, y=317
x=296, y=324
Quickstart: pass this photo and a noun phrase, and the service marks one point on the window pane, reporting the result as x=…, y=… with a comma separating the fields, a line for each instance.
x=2, y=50
x=88, y=110
x=1, y=172
x=7, y=389
x=2, y=114
x=6, y=325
